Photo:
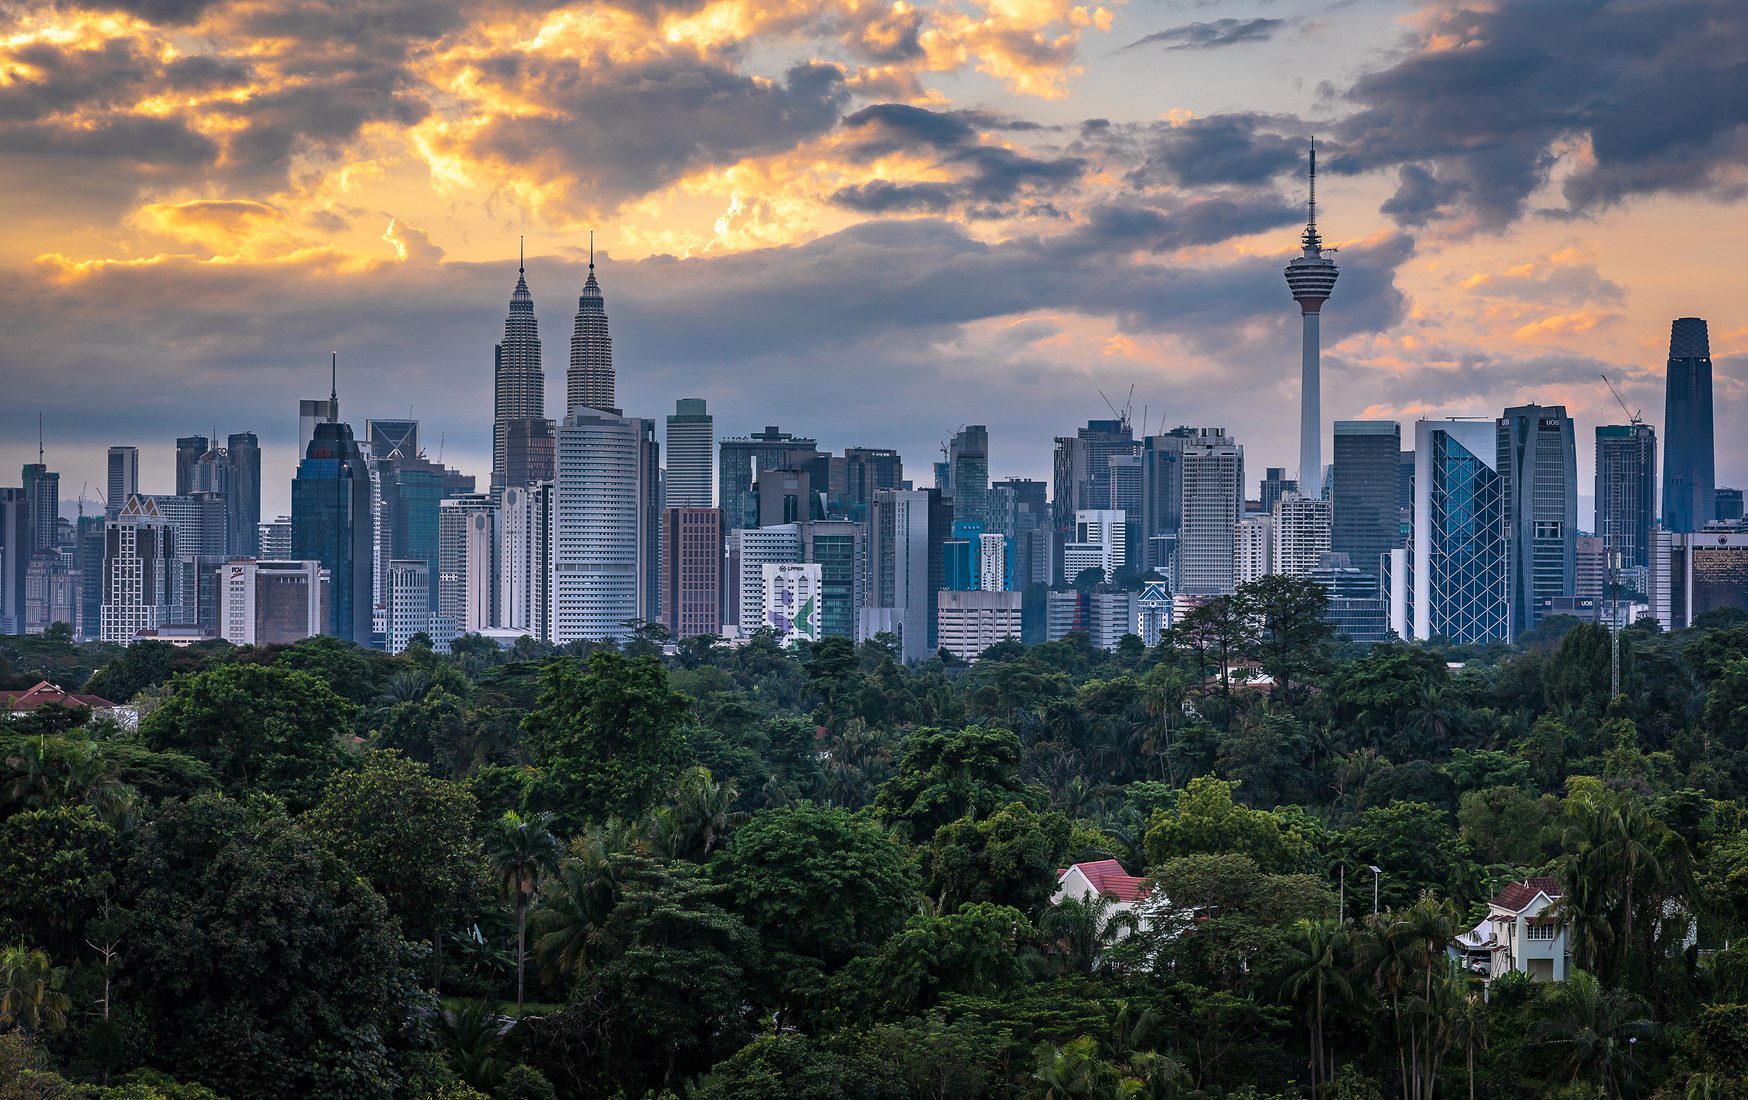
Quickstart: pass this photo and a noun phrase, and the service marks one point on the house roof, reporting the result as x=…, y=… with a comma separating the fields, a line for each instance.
x=1108, y=878
x=1516, y=895
x=44, y=692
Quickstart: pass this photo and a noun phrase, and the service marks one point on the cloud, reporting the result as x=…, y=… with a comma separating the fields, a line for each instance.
x=1239, y=148
x=1212, y=36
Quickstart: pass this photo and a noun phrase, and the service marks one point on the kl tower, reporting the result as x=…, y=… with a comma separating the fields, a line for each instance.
x=1311, y=278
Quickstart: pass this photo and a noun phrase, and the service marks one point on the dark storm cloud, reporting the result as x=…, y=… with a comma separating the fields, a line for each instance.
x=1659, y=90
x=1242, y=149
x=886, y=128
x=621, y=132
x=1211, y=36
x=1200, y=221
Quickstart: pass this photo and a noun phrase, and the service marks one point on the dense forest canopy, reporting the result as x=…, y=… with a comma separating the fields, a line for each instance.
x=606, y=871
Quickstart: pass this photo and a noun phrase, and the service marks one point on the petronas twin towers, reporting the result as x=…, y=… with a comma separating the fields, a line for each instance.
x=522, y=439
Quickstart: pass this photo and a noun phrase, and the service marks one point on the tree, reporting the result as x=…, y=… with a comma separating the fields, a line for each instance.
x=268, y=968
x=978, y=951
x=1294, y=637
x=1009, y=857
x=56, y=867
x=1316, y=980
x=1416, y=847
x=696, y=821
x=258, y=727
x=607, y=737
x=521, y=849
x=1205, y=819
x=944, y=775
x=1081, y=930
x=30, y=990
x=1592, y=1031
x=788, y=1066
x=411, y=836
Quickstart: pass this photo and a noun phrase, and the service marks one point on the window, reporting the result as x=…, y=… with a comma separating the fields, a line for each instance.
x=1541, y=931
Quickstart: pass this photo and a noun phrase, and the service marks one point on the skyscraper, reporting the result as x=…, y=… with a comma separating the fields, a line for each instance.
x=1626, y=491
x=1364, y=492
x=906, y=567
x=331, y=523
x=42, y=495
x=1538, y=470
x=1302, y=527
x=518, y=394
x=589, y=383
x=744, y=458
x=1729, y=505
x=1458, y=564
x=691, y=450
x=139, y=559
x=1213, y=479
x=243, y=502
x=1082, y=473
x=603, y=510
x=15, y=555
x=1311, y=277
x=968, y=458
x=467, y=543
x=1688, y=477
x=691, y=568
x=189, y=448
x=124, y=478
x=1275, y=483
x=310, y=413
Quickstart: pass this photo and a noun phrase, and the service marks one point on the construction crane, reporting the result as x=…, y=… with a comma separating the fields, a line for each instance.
x=1633, y=417
x=1124, y=413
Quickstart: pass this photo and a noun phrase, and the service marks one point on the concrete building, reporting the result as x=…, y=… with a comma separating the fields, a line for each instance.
x=15, y=555
x=750, y=549
x=409, y=603
x=1100, y=542
x=743, y=459
x=691, y=455
x=1626, y=491
x=785, y=496
x=1522, y=932
x=1301, y=531
x=1311, y=279
x=692, y=559
x=124, y=478
x=519, y=396
x=970, y=622
x=1212, y=496
x=1696, y=572
x=467, y=562
x=139, y=559
x=590, y=382
x=606, y=526
x=906, y=565
x=1253, y=549
x=271, y=602
x=1153, y=613
x=791, y=604
x=275, y=539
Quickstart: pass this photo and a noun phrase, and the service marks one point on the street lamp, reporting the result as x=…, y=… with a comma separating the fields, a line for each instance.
x=1376, y=871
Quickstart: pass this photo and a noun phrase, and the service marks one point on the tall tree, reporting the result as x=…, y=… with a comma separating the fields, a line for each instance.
x=521, y=850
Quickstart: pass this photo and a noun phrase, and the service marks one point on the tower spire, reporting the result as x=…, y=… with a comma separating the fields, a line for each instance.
x=1311, y=239
x=333, y=387
x=521, y=255
x=591, y=250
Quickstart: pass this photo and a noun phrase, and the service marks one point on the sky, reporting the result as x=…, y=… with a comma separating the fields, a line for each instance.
x=867, y=222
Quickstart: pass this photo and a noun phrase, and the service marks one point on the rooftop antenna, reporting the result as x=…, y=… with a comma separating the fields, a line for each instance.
x=333, y=387
x=1311, y=239
x=39, y=460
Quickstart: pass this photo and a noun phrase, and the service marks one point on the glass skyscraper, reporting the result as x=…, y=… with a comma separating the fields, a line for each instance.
x=1689, y=499
x=1365, y=493
x=1626, y=491
x=1459, y=560
x=331, y=523
x=1538, y=469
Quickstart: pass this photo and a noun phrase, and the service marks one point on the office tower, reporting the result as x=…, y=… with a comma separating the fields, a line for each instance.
x=51, y=590
x=1161, y=500
x=1212, y=495
x=959, y=557
x=1253, y=549
x=518, y=394
x=1033, y=546
x=1356, y=611
x=1538, y=470
x=1302, y=530
x=274, y=537
x=1082, y=469
x=15, y=555
x=1100, y=542
x=1459, y=565
x=1366, y=493
x=1153, y=612
x=270, y=602
x=243, y=505
x=1729, y=505
x=791, y=607
x=838, y=547
x=785, y=496
x=995, y=564
x=1696, y=572
x=1110, y=615
x=589, y=383
x=1689, y=500
x=410, y=494
x=212, y=474
x=691, y=448
x=1626, y=491
x=189, y=448
x=324, y=410
x=42, y=497
x=750, y=549
x=970, y=622
x=1591, y=578
x=139, y=558
x=968, y=457
x=467, y=566
x=1311, y=278
x=743, y=459
x=866, y=471
x=691, y=567
x=525, y=560
x=332, y=523
x=198, y=522
x=88, y=543
x=386, y=440
x=605, y=526
x=409, y=602
x=905, y=563
x=1275, y=482
x=124, y=478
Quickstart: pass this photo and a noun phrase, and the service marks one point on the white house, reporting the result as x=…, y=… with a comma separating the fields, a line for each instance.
x=1104, y=878
x=1520, y=933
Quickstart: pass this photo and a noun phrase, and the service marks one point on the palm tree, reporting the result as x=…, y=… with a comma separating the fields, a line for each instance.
x=1469, y=1027
x=1072, y=1071
x=574, y=901
x=1316, y=975
x=520, y=850
x=701, y=815
x=1387, y=953
x=30, y=990
x=470, y=1033
x=1082, y=929
x=1592, y=1030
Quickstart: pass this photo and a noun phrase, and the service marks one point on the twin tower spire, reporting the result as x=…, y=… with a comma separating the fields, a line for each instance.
x=519, y=389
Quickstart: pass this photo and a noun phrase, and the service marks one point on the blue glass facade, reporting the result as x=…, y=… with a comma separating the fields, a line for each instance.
x=331, y=523
x=1689, y=487
x=1460, y=555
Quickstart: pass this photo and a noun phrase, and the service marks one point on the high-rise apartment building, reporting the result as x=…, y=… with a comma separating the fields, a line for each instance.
x=243, y=497
x=1365, y=493
x=124, y=478
x=467, y=562
x=750, y=549
x=743, y=459
x=1100, y=542
x=691, y=568
x=332, y=523
x=1253, y=549
x=139, y=559
x=519, y=397
x=606, y=526
x=270, y=602
x=590, y=383
x=691, y=453
x=1212, y=479
x=1689, y=478
x=1538, y=470
x=1458, y=566
x=995, y=562
x=409, y=602
x=1302, y=532
x=1311, y=278
x=1626, y=491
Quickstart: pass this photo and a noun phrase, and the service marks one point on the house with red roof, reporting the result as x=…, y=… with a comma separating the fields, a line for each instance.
x=1522, y=931
x=23, y=702
x=1102, y=878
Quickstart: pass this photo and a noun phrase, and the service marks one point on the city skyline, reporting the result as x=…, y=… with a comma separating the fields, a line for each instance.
x=880, y=230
